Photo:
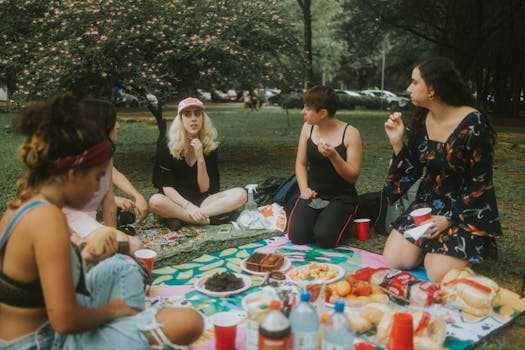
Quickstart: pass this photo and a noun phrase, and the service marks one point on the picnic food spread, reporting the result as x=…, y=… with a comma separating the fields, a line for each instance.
x=223, y=282
x=261, y=262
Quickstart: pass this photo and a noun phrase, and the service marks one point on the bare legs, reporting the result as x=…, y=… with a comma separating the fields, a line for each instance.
x=216, y=204
x=401, y=254
x=182, y=326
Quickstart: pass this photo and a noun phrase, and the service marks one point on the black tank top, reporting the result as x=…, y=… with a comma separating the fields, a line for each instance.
x=322, y=176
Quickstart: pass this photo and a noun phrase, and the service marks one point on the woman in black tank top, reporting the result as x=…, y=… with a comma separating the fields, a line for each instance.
x=327, y=166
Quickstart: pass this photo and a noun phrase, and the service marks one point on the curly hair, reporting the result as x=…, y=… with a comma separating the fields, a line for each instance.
x=442, y=75
x=177, y=137
x=54, y=129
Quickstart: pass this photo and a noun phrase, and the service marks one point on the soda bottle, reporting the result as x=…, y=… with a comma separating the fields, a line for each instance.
x=255, y=316
x=305, y=324
x=275, y=330
x=337, y=332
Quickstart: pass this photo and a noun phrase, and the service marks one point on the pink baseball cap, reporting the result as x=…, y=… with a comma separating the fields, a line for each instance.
x=189, y=102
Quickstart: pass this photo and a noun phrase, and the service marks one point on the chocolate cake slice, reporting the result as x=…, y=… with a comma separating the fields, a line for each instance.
x=272, y=262
x=254, y=262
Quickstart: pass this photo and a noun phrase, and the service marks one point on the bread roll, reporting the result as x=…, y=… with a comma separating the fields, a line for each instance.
x=424, y=343
x=97, y=240
x=474, y=294
x=359, y=323
x=374, y=312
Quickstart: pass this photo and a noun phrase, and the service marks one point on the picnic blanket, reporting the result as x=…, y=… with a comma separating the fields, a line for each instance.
x=174, y=284
x=189, y=242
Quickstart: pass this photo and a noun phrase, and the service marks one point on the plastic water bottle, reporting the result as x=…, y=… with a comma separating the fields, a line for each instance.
x=305, y=324
x=251, y=205
x=274, y=330
x=337, y=332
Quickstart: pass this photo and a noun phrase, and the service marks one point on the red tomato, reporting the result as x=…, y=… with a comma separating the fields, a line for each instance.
x=328, y=294
x=362, y=289
x=350, y=278
x=364, y=274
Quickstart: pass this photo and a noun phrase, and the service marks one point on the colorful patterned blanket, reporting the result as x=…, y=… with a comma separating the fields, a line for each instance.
x=174, y=284
x=189, y=242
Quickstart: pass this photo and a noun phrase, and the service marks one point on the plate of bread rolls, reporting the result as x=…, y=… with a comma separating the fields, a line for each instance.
x=316, y=273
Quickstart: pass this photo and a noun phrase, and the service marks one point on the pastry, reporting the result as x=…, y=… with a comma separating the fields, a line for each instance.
x=97, y=240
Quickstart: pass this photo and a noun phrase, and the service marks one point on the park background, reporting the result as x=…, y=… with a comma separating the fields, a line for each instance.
x=170, y=49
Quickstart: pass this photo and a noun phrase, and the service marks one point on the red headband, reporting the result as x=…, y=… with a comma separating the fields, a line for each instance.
x=93, y=156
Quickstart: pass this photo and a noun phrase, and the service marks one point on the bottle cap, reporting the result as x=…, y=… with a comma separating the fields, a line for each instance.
x=275, y=305
x=339, y=305
x=305, y=296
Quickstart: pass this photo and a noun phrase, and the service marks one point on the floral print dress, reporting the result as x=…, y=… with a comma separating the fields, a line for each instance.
x=457, y=184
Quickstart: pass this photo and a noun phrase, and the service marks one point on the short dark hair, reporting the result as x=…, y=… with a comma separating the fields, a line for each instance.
x=322, y=97
x=101, y=111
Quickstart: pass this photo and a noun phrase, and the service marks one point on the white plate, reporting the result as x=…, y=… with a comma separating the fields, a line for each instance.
x=340, y=272
x=199, y=285
x=418, y=231
x=286, y=265
x=255, y=300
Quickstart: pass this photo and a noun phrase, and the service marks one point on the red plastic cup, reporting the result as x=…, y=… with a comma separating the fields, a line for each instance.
x=421, y=215
x=225, y=327
x=364, y=346
x=362, y=227
x=148, y=256
x=402, y=333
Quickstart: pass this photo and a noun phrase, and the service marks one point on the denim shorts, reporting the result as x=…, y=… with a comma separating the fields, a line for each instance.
x=41, y=339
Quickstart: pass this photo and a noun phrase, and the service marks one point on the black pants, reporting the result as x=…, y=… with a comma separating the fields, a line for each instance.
x=322, y=227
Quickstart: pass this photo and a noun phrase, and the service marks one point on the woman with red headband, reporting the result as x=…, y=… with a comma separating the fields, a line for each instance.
x=46, y=301
x=187, y=172
x=83, y=222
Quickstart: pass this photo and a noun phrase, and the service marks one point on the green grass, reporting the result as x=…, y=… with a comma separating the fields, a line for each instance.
x=257, y=145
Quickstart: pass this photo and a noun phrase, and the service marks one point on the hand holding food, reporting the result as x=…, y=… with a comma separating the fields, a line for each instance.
x=97, y=240
x=395, y=129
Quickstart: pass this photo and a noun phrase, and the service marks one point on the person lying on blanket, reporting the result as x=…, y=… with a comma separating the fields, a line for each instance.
x=83, y=221
x=46, y=300
x=327, y=166
x=187, y=172
x=454, y=141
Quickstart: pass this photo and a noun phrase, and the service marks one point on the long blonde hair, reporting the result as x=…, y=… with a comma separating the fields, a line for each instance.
x=177, y=137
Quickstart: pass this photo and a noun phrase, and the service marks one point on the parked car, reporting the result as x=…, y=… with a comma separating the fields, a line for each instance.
x=204, y=95
x=352, y=93
x=392, y=101
x=232, y=95
x=124, y=99
x=272, y=95
x=219, y=96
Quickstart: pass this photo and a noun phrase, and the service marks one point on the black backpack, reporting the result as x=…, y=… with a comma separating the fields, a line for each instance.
x=374, y=206
x=287, y=194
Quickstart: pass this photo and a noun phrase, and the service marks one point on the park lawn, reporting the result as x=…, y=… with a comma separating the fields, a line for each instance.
x=259, y=144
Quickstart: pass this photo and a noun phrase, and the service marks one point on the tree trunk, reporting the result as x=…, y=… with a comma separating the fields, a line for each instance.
x=308, y=60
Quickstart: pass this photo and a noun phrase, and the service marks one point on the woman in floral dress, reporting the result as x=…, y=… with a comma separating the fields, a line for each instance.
x=450, y=143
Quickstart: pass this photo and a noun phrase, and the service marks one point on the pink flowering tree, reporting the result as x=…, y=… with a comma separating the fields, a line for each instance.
x=167, y=48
